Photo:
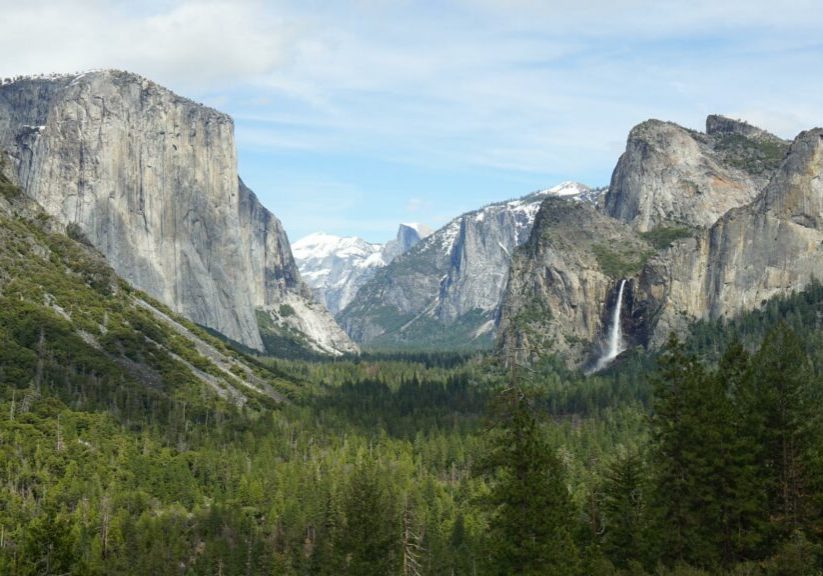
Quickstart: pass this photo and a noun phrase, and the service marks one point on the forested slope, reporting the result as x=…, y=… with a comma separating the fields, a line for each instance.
x=127, y=448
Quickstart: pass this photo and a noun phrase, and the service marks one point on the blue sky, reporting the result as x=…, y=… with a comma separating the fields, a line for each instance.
x=354, y=116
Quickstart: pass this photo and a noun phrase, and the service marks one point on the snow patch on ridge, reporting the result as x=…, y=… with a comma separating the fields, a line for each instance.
x=336, y=266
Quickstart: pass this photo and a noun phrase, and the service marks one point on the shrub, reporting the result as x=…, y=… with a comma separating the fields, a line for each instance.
x=663, y=236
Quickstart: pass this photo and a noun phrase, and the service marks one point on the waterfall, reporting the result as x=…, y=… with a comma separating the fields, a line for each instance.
x=615, y=337
x=615, y=342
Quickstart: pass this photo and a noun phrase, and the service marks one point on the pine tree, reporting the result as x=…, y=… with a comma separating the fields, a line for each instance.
x=706, y=446
x=625, y=510
x=790, y=432
x=530, y=531
x=738, y=478
x=678, y=441
x=371, y=536
x=325, y=558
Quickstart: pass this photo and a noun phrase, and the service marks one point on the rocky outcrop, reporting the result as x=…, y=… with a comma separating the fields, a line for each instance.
x=151, y=180
x=407, y=237
x=669, y=175
x=447, y=290
x=685, y=257
x=278, y=293
x=564, y=283
x=771, y=247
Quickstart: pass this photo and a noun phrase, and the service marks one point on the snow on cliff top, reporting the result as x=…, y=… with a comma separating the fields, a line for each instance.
x=568, y=188
x=320, y=245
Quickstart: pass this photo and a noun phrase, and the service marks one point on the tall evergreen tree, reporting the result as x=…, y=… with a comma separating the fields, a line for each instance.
x=624, y=510
x=738, y=477
x=785, y=400
x=678, y=441
x=709, y=474
x=530, y=531
x=370, y=538
x=325, y=558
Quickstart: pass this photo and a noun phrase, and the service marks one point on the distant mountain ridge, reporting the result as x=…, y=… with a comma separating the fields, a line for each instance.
x=335, y=267
x=446, y=291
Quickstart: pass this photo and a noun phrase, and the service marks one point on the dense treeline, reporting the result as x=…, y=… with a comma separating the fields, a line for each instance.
x=730, y=480
x=724, y=476
x=704, y=460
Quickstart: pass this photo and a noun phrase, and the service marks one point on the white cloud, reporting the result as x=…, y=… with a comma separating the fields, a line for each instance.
x=544, y=87
x=190, y=45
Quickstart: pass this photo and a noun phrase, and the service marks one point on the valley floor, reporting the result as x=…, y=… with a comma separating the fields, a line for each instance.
x=704, y=460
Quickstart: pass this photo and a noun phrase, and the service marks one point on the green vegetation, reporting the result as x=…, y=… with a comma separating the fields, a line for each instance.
x=8, y=190
x=618, y=264
x=283, y=341
x=430, y=334
x=756, y=156
x=388, y=318
x=118, y=459
x=530, y=526
x=75, y=232
x=663, y=236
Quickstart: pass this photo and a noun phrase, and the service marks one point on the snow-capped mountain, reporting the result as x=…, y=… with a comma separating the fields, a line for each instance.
x=451, y=283
x=576, y=191
x=335, y=266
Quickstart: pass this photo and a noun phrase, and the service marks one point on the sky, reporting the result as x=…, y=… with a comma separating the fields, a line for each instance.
x=354, y=116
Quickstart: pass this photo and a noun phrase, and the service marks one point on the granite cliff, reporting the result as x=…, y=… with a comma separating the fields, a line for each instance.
x=770, y=247
x=701, y=226
x=150, y=179
x=670, y=175
x=60, y=300
x=564, y=281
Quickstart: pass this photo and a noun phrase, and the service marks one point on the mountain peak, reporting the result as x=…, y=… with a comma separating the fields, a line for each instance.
x=568, y=188
x=156, y=170
x=336, y=266
x=795, y=193
x=421, y=229
x=672, y=176
x=719, y=125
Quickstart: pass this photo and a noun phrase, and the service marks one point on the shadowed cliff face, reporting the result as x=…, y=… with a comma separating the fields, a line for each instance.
x=446, y=291
x=151, y=179
x=564, y=283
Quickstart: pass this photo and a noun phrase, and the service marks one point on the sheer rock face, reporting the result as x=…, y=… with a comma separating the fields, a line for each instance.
x=770, y=247
x=273, y=270
x=151, y=180
x=447, y=290
x=407, y=237
x=669, y=175
x=559, y=297
x=564, y=280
